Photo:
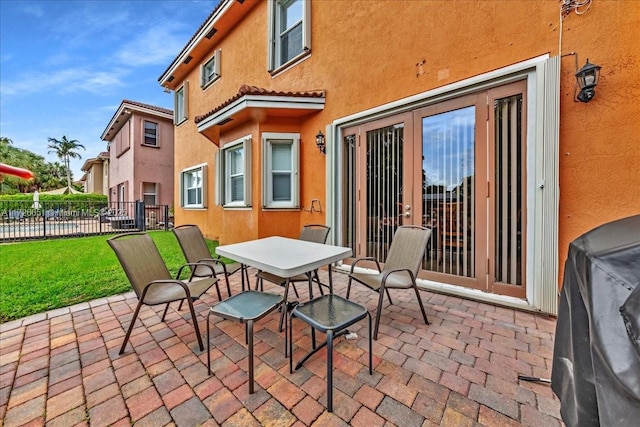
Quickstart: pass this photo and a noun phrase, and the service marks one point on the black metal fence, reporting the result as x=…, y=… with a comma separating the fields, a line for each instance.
x=29, y=220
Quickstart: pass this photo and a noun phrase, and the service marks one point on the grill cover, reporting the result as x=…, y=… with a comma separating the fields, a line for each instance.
x=596, y=359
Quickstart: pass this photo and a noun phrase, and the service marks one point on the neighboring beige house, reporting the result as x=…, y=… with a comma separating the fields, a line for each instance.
x=96, y=174
x=140, y=144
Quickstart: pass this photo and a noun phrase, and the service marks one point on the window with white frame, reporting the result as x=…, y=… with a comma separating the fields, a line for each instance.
x=193, y=187
x=280, y=183
x=181, y=100
x=210, y=70
x=150, y=133
x=149, y=193
x=234, y=174
x=289, y=31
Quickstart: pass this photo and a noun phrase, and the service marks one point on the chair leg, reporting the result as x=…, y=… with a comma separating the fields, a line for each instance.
x=289, y=342
x=226, y=277
x=424, y=313
x=194, y=319
x=370, y=346
x=133, y=320
x=378, y=313
x=218, y=291
x=208, y=345
x=180, y=306
x=330, y=370
x=389, y=296
x=348, y=287
x=167, y=308
x=250, y=345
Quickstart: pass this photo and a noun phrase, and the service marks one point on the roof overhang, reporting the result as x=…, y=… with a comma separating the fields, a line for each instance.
x=259, y=107
x=219, y=23
x=94, y=161
x=124, y=113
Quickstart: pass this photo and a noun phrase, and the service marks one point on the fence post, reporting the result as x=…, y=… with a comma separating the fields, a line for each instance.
x=44, y=219
x=140, y=222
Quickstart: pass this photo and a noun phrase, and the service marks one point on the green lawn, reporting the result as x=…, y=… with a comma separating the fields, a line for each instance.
x=42, y=275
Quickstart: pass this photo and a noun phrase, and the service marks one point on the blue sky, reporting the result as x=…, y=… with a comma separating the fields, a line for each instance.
x=65, y=66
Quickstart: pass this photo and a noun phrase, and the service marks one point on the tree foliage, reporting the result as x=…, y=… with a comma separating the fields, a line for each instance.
x=65, y=149
x=48, y=176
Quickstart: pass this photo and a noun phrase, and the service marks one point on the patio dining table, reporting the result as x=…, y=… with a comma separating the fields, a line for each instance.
x=285, y=257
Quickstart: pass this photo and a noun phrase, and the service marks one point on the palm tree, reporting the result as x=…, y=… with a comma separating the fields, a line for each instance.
x=65, y=150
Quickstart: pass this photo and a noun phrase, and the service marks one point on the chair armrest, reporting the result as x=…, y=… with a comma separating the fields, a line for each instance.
x=357, y=260
x=192, y=266
x=166, y=281
x=397, y=270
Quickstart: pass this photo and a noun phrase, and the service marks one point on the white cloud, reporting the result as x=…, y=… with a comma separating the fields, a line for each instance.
x=65, y=81
x=33, y=9
x=155, y=46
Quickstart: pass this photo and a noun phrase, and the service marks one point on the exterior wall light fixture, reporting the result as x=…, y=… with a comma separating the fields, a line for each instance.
x=320, y=142
x=587, y=78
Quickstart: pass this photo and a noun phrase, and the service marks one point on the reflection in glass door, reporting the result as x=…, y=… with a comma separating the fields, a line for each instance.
x=448, y=184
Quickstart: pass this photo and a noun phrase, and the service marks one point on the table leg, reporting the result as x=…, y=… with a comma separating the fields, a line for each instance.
x=330, y=280
x=284, y=305
x=250, y=345
x=242, y=273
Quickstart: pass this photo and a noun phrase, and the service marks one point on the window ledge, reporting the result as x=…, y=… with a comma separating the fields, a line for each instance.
x=292, y=63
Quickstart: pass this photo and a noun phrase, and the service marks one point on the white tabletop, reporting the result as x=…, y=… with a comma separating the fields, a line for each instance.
x=283, y=256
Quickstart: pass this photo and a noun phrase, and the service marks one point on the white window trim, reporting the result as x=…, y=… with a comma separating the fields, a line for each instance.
x=154, y=194
x=223, y=186
x=269, y=138
x=216, y=57
x=144, y=133
x=181, y=115
x=273, y=37
x=183, y=189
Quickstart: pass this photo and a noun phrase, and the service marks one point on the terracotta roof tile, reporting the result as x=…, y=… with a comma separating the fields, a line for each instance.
x=148, y=106
x=254, y=90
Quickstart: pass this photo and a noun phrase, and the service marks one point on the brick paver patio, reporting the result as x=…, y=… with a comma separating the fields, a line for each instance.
x=62, y=368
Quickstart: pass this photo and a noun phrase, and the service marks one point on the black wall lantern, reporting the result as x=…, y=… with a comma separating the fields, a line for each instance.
x=320, y=142
x=587, y=78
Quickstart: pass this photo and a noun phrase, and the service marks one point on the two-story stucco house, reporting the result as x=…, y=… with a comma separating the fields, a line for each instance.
x=462, y=116
x=96, y=174
x=140, y=143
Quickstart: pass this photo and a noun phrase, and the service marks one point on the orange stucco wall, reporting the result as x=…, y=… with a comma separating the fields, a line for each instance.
x=366, y=53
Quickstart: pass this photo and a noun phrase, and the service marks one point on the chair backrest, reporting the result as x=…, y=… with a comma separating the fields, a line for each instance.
x=317, y=233
x=140, y=259
x=407, y=248
x=192, y=242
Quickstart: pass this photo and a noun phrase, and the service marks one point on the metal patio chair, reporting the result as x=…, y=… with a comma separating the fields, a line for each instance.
x=195, y=250
x=400, y=268
x=317, y=233
x=152, y=281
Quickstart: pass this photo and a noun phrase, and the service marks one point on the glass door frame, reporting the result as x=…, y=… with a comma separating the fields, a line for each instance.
x=478, y=280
